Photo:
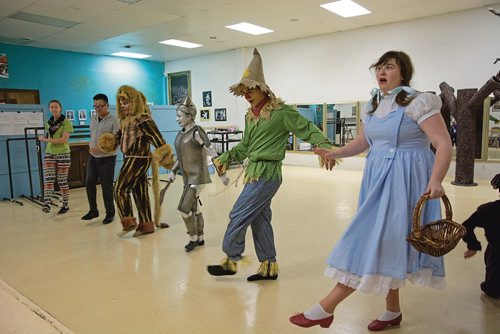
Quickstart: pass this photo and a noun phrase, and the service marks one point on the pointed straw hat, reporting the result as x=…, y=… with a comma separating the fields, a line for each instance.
x=253, y=77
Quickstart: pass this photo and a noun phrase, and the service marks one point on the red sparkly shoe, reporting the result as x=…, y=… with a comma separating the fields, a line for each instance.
x=379, y=325
x=301, y=321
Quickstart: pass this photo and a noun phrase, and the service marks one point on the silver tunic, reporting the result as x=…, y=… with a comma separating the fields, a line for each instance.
x=192, y=157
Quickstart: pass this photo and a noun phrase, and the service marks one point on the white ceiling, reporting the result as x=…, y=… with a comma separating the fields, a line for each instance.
x=103, y=27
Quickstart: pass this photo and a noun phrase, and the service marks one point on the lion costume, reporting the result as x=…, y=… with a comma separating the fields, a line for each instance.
x=137, y=133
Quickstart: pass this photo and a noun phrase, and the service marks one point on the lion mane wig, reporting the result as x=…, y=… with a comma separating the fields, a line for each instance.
x=137, y=102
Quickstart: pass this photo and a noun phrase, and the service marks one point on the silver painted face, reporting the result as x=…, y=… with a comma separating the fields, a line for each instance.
x=183, y=119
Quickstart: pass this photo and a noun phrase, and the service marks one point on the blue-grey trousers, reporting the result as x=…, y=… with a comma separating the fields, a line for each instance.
x=252, y=208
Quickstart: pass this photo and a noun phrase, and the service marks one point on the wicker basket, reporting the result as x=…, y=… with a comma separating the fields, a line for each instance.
x=436, y=238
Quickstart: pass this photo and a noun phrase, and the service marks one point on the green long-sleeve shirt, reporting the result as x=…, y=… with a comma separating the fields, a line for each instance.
x=265, y=139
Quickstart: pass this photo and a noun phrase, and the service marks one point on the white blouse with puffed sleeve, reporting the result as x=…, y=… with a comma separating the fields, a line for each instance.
x=423, y=106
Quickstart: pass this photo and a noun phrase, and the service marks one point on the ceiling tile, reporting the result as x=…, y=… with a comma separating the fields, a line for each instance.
x=18, y=29
x=108, y=25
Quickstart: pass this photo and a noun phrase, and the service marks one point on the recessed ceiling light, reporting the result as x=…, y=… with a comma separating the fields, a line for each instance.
x=249, y=28
x=182, y=44
x=346, y=8
x=131, y=55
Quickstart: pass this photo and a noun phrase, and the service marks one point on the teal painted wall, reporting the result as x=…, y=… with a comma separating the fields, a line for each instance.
x=74, y=78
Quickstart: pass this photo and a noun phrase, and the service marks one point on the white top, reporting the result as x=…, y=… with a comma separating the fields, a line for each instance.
x=420, y=108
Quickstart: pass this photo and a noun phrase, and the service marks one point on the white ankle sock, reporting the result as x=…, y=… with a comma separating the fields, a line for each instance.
x=193, y=238
x=200, y=237
x=388, y=316
x=316, y=313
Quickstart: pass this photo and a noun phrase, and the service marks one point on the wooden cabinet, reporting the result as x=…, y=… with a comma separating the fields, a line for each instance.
x=78, y=170
x=19, y=96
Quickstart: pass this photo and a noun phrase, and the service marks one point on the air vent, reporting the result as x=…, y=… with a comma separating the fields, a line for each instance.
x=50, y=21
x=18, y=41
x=129, y=1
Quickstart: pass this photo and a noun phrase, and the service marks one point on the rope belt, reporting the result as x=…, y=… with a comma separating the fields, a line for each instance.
x=138, y=156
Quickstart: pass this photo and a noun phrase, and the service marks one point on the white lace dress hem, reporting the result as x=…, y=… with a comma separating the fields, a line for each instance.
x=380, y=285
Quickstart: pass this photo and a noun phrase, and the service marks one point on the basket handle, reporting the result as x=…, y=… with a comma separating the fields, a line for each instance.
x=420, y=204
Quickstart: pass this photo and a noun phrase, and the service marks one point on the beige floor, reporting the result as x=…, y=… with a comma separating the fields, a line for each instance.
x=63, y=275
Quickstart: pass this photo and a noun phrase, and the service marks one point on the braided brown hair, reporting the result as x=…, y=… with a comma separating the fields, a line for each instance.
x=406, y=67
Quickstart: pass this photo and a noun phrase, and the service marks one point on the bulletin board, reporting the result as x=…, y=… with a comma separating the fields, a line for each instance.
x=13, y=122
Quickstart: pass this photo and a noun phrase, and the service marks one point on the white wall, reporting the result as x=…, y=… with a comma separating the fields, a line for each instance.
x=458, y=48
x=215, y=73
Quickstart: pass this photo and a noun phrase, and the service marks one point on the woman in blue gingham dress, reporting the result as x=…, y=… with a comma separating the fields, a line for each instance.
x=372, y=255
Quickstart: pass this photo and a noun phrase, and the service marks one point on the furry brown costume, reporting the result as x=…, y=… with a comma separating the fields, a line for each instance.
x=138, y=132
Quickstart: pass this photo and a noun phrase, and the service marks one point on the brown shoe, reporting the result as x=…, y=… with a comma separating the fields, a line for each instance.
x=129, y=223
x=144, y=228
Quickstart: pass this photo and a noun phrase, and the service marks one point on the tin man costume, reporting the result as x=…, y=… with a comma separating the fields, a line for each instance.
x=191, y=147
x=137, y=133
x=268, y=123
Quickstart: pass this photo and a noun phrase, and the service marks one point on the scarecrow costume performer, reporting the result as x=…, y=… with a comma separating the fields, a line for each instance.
x=191, y=147
x=137, y=133
x=268, y=123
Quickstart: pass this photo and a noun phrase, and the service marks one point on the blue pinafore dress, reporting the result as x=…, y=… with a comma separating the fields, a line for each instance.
x=373, y=255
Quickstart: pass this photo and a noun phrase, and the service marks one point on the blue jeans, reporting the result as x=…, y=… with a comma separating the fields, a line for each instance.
x=252, y=208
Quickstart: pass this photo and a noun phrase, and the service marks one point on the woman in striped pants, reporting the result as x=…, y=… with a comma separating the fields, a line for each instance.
x=57, y=160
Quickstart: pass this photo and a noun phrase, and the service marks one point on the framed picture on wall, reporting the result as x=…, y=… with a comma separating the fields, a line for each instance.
x=70, y=114
x=82, y=115
x=204, y=114
x=92, y=113
x=207, y=99
x=179, y=86
x=220, y=114
x=4, y=67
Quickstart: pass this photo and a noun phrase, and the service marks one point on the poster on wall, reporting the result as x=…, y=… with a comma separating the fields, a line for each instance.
x=220, y=114
x=4, y=68
x=82, y=115
x=205, y=114
x=207, y=99
x=179, y=86
x=70, y=114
